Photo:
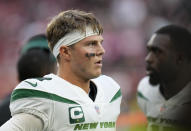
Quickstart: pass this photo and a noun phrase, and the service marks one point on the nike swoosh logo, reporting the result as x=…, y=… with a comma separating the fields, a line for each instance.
x=32, y=84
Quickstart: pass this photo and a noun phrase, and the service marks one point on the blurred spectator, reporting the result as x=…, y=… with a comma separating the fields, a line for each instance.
x=35, y=61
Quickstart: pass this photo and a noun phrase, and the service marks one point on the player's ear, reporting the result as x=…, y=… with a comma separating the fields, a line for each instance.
x=65, y=52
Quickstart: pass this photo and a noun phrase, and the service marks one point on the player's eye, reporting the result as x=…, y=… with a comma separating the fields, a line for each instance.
x=157, y=51
x=92, y=43
x=154, y=50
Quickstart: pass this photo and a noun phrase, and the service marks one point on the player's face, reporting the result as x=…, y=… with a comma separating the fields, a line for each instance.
x=161, y=59
x=83, y=63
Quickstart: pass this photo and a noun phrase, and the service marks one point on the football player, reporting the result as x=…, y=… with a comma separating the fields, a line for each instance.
x=78, y=97
x=164, y=95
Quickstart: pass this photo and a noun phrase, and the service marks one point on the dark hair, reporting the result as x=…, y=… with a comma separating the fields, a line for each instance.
x=35, y=63
x=180, y=38
x=36, y=60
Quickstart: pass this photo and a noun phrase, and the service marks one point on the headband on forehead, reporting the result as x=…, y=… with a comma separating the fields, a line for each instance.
x=72, y=38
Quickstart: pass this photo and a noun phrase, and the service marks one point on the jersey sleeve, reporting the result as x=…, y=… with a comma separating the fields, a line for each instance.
x=141, y=98
x=111, y=88
x=28, y=97
x=22, y=122
x=117, y=91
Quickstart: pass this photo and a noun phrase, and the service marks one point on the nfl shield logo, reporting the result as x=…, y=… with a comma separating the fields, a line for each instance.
x=97, y=109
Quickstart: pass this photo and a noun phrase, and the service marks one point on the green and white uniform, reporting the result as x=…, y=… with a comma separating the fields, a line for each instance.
x=63, y=106
x=164, y=115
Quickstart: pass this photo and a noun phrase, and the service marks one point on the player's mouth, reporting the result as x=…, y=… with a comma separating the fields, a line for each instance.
x=149, y=70
x=99, y=63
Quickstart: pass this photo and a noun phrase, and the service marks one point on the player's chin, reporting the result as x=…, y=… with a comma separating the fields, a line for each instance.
x=96, y=74
x=154, y=80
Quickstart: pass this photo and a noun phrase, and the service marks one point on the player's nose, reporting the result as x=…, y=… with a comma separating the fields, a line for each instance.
x=100, y=50
x=149, y=58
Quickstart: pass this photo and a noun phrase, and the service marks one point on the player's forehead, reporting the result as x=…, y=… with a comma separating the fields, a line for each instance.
x=94, y=38
x=159, y=41
x=97, y=38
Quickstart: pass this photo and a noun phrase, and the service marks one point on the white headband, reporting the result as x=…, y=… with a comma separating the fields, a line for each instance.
x=72, y=38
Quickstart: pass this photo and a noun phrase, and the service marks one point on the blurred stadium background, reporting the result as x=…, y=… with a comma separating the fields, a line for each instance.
x=127, y=26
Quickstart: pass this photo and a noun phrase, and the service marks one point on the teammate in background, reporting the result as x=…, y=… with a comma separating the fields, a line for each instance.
x=164, y=95
x=35, y=60
x=78, y=97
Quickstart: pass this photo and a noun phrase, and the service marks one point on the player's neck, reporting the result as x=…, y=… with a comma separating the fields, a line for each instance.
x=69, y=76
x=170, y=89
